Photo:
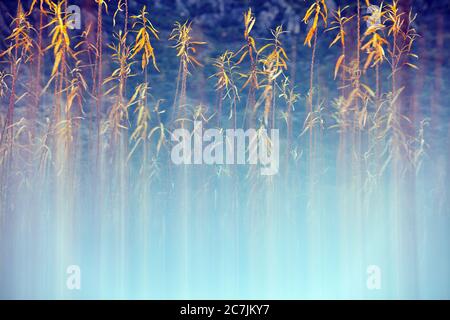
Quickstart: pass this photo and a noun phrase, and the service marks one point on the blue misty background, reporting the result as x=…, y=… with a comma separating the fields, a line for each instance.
x=205, y=234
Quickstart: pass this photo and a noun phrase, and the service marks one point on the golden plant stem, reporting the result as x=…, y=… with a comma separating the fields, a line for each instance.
x=377, y=114
x=358, y=74
x=394, y=105
x=394, y=65
x=251, y=100
x=12, y=98
x=274, y=95
x=311, y=74
x=344, y=61
x=293, y=69
x=377, y=86
x=120, y=102
x=268, y=102
x=180, y=93
x=182, y=100
x=37, y=85
x=343, y=130
x=125, y=35
x=147, y=86
x=177, y=89
x=311, y=101
x=99, y=46
x=358, y=52
x=357, y=135
x=126, y=17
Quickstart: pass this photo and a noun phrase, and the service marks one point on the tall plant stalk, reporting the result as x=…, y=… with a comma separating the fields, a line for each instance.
x=185, y=46
x=318, y=11
x=99, y=66
x=249, y=50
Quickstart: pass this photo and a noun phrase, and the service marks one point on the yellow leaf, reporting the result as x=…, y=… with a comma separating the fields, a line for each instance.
x=335, y=40
x=412, y=66
x=338, y=64
x=57, y=61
